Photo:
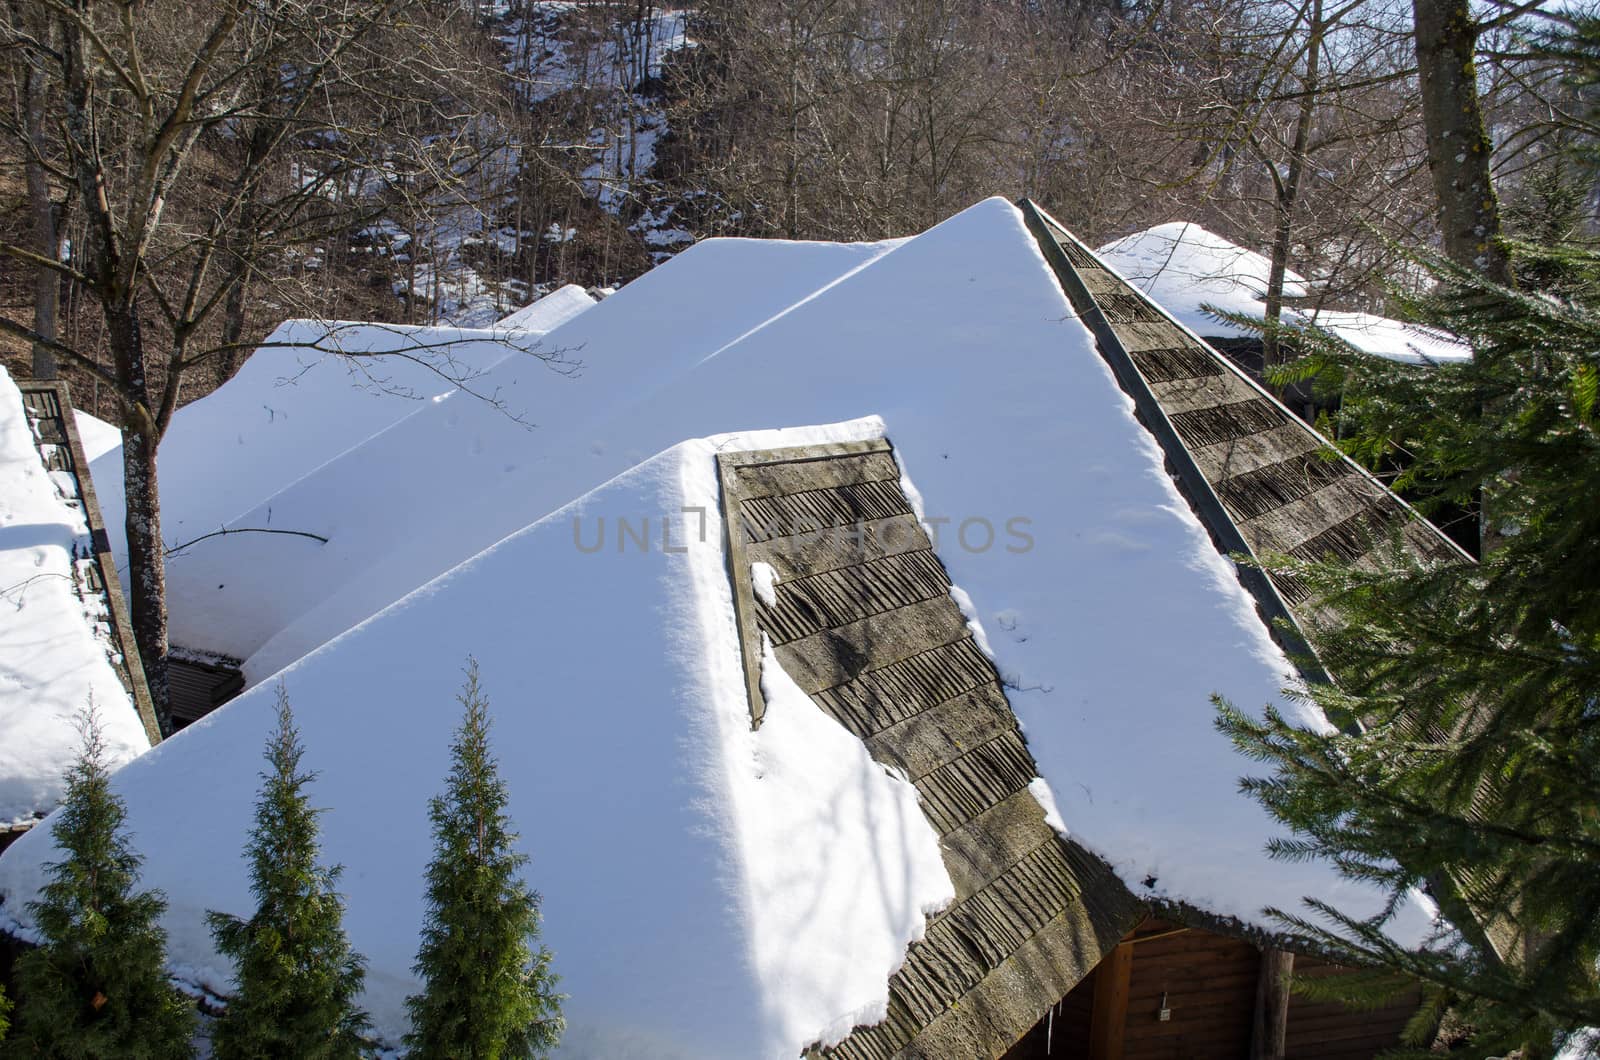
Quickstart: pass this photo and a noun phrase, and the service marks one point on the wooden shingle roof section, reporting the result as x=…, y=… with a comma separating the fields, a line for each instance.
x=862, y=619
x=49, y=409
x=1262, y=480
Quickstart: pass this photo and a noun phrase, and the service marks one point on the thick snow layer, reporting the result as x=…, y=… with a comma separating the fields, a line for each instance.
x=1186, y=268
x=453, y=476
x=551, y=311
x=820, y=789
x=98, y=436
x=615, y=669
x=709, y=891
x=1390, y=339
x=53, y=647
x=312, y=391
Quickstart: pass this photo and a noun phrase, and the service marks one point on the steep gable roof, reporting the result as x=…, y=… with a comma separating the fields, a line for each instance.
x=716, y=890
x=1264, y=481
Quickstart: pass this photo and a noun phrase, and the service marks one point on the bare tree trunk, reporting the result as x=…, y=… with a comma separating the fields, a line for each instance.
x=1289, y=193
x=1458, y=146
x=147, y=569
x=227, y=362
x=46, y=225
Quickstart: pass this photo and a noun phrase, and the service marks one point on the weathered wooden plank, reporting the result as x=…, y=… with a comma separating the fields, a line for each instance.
x=927, y=740
x=1109, y=1022
x=1240, y=455
x=1271, y=487
x=765, y=518
x=1151, y=336
x=835, y=656
x=1224, y=423
x=890, y=694
x=805, y=605
x=798, y=475
x=837, y=547
x=1283, y=529
x=976, y=853
x=1175, y=363
x=1185, y=395
x=968, y=785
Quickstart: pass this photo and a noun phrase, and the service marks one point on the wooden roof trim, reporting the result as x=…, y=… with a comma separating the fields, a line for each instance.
x=1033, y=912
x=1032, y=209
x=131, y=669
x=1190, y=479
x=734, y=545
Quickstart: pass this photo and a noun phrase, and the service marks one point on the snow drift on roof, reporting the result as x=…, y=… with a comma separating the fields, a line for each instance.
x=1185, y=268
x=1108, y=610
x=551, y=311
x=53, y=655
x=98, y=436
x=452, y=476
x=1390, y=339
x=709, y=891
x=313, y=390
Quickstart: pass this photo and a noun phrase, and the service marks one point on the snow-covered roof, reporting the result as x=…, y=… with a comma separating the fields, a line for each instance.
x=709, y=890
x=553, y=310
x=56, y=648
x=1188, y=268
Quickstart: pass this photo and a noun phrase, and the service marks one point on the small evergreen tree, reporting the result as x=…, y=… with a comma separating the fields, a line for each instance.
x=96, y=986
x=297, y=978
x=5, y=1014
x=487, y=991
x=1469, y=767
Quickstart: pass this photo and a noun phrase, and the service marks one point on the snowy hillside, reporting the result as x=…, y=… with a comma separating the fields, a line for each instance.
x=709, y=891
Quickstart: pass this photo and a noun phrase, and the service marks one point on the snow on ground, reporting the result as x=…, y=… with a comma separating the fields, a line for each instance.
x=559, y=48
x=53, y=648
x=1186, y=268
x=652, y=813
x=551, y=311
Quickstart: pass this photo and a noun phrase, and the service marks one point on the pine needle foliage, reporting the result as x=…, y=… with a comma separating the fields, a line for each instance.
x=96, y=988
x=488, y=990
x=1469, y=767
x=5, y=1014
x=296, y=977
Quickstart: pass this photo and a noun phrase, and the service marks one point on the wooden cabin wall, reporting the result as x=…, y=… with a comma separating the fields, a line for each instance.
x=1209, y=984
x=1325, y=1030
